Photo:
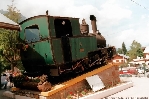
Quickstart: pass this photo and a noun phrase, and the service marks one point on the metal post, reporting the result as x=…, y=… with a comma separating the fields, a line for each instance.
x=77, y=94
x=123, y=58
x=144, y=67
x=0, y=73
x=92, y=87
x=62, y=96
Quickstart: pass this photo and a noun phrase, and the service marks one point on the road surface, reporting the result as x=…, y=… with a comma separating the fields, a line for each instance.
x=140, y=88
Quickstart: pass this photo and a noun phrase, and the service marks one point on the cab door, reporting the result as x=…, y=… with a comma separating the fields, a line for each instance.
x=66, y=49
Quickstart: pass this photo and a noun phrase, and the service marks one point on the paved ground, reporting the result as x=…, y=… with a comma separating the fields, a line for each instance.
x=1, y=95
x=140, y=88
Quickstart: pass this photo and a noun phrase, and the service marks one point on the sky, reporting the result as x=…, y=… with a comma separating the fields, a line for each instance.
x=118, y=20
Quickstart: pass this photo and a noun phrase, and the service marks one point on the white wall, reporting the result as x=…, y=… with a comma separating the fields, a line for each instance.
x=120, y=60
x=147, y=56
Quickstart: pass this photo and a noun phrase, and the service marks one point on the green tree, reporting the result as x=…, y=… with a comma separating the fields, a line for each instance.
x=9, y=38
x=13, y=13
x=134, y=50
x=124, y=50
x=140, y=52
x=119, y=50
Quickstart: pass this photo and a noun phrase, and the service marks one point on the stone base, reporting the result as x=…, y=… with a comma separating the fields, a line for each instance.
x=109, y=74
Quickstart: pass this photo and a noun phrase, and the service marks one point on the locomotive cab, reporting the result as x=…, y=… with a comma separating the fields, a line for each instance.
x=63, y=28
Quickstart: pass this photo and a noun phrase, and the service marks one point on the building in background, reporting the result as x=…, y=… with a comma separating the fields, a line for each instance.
x=142, y=60
x=120, y=58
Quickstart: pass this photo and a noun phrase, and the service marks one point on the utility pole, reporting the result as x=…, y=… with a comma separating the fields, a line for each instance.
x=144, y=66
x=0, y=73
x=123, y=58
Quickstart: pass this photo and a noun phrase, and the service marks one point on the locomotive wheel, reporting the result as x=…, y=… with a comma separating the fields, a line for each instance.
x=97, y=58
x=85, y=63
x=79, y=69
x=104, y=60
x=81, y=66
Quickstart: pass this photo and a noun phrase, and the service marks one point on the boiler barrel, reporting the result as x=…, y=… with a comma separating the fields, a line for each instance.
x=101, y=42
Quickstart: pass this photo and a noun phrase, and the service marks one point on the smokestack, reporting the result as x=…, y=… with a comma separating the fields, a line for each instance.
x=47, y=12
x=93, y=23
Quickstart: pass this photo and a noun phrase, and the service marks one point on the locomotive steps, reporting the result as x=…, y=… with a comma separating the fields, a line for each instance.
x=108, y=73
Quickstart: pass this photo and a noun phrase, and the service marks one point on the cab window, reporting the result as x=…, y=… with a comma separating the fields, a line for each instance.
x=32, y=34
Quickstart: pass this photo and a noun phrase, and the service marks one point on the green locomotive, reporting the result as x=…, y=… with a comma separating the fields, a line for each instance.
x=56, y=45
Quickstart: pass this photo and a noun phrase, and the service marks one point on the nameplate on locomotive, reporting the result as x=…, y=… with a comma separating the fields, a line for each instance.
x=82, y=50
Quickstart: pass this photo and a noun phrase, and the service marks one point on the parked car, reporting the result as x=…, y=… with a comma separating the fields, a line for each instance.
x=126, y=75
x=141, y=71
x=147, y=69
x=132, y=71
x=123, y=72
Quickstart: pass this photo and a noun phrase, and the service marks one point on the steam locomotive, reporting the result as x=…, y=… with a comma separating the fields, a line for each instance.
x=56, y=45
